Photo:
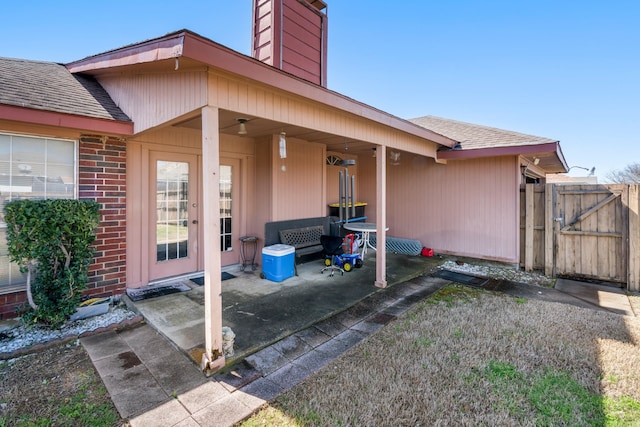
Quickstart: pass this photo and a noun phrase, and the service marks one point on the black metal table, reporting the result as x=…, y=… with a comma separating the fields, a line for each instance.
x=248, y=249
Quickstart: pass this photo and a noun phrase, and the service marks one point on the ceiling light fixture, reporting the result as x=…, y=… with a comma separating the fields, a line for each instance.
x=242, y=129
x=394, y=156
x=346, y=161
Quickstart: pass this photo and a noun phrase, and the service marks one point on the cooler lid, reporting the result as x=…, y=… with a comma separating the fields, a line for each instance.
x=278, y=250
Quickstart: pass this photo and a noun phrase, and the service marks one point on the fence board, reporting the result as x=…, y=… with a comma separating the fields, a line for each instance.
x=549, y=229
x=633, y=281
x=528, y=232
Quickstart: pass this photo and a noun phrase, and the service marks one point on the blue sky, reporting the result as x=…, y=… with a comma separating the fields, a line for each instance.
x=566, y=70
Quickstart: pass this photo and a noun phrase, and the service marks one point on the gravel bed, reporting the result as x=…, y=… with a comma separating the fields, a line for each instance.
x=500, y=272
x=19, y=336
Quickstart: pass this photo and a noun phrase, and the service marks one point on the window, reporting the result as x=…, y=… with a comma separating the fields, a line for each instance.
x=32, y=168
x=225, y=208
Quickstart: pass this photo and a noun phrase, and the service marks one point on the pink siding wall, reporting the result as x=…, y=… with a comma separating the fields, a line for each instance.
x=467, y=208
x=263, y=184
x=299, y=191
x=153, y=99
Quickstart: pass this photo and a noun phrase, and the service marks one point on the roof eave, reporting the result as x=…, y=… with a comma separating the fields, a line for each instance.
x=514, y=150
x=189, y=45
x=52, y=118
x=166, y=47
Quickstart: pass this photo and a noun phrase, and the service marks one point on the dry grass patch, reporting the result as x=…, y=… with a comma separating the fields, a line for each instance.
x=55, y=387
x=469, y=357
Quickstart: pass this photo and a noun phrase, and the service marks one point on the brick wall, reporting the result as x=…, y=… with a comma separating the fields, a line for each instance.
x=102, y=177
x=10, y=302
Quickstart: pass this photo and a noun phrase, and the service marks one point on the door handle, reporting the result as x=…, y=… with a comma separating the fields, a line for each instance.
x=195, y=221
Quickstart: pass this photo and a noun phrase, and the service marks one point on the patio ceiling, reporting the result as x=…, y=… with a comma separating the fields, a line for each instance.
x=259, y=128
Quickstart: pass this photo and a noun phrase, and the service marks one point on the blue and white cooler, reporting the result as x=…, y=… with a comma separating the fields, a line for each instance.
x=278, y=262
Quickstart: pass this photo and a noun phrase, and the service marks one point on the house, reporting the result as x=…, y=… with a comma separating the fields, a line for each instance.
x=190, y=145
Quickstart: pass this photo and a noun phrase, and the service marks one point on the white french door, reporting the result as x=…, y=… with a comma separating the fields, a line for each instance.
x=173, y=212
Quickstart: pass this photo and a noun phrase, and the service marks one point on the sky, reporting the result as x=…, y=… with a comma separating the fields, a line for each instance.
x=567, y=70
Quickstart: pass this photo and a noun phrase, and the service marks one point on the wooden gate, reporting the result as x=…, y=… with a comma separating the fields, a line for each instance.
x=591, y=232
x=582, y=231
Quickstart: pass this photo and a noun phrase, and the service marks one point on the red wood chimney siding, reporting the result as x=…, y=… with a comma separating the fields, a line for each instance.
x=103, y=178
x=292, y=35
x=265, y=32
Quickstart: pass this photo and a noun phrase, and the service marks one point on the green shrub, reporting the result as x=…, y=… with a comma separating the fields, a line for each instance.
x=51, y=241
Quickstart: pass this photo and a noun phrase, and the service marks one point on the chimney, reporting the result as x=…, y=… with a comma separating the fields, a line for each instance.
x=292, y=35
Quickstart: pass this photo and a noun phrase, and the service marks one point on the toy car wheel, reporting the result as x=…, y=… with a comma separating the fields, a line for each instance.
x=359, y=263
x=327, y=262
x=347, y=267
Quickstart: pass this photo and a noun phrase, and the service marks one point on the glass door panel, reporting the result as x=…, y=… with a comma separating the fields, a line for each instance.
x=229, y=210
x=172, y=218
x=174, y=215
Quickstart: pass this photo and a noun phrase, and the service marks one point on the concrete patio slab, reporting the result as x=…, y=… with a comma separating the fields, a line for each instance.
x=153, y=383
x=602, y=296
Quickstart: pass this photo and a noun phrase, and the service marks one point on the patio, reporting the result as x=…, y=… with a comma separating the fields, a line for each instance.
x=261, y=312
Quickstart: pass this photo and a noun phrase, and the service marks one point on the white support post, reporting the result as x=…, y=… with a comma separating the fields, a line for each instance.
x=213, y=357
x=381, y=216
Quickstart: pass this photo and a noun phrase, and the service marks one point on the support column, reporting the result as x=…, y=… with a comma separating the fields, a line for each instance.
x=381, y=216
x=213, y=358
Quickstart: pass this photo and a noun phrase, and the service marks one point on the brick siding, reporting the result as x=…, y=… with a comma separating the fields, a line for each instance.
x=9, y=303
x=102, y=177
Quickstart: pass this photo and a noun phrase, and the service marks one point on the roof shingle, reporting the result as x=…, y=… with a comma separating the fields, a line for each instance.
x=51, y=87
x=472, y=136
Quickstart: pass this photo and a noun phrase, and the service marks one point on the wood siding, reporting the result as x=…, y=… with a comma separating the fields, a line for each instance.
x=299, y=190
x=154, y=99
x=302, y=42
x=264, y=32
x=291, y=36
x=467, y=208
x=233, y=94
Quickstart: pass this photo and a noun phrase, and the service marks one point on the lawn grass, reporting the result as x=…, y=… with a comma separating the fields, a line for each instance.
x=469, y=357
x=56, y=387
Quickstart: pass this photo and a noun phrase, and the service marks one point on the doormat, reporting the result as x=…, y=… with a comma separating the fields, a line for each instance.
x=156, y=291
x=461, y=278
x=200, y=280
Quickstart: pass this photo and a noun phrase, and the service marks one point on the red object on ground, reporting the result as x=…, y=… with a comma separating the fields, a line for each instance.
x=426, y=252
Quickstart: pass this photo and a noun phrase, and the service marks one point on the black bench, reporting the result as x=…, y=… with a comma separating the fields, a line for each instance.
x=303, y=234
x=306, y=240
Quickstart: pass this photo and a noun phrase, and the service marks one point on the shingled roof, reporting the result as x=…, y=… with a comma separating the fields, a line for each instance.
x=51, y=87
x=472, y=137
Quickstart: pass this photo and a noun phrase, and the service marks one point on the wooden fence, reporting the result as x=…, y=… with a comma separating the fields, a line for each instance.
x=582, y=231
